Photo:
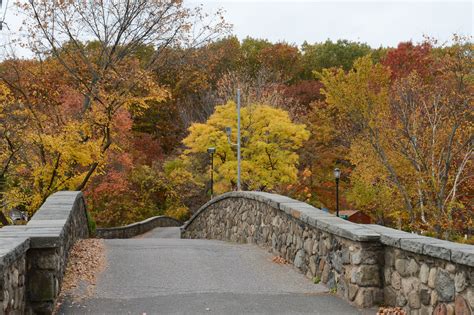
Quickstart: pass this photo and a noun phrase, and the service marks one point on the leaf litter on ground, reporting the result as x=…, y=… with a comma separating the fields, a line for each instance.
x=86, y=260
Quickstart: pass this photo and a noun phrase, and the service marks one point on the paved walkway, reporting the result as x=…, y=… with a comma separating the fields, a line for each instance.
x=158, y=273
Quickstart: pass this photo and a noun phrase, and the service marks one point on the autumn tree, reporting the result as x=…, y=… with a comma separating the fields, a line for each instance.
x=104, y=69
x=161, y=121
x=334, y=124
x=302, y=94
x=269, y=144
x=407, y=58
x=259, y=89
x=13, y=123
x=209, y=75
x=192, y=76
x=144, y=191
x=251, y=62
x=436, y=135
x=60, y=140
x=410, y=142
x=88, y=77
x=47, y=134
x=282, y=60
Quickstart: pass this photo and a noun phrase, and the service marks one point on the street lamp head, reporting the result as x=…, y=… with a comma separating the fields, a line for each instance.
x=228, y=131
x=337, y=173
x=211, y=150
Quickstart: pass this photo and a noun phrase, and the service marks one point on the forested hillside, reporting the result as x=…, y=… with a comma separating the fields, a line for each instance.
x=123, y=103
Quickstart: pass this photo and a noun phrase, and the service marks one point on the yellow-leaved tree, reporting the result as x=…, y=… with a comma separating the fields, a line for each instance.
x=48, y=141
x=269, y=144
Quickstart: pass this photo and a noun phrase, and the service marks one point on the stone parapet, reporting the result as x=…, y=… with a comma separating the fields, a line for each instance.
x=33, y=257
x=426, y=275
x=134, y=229
x=366, y=264
x=303, y=212
x=12, y=276
x=418, y=244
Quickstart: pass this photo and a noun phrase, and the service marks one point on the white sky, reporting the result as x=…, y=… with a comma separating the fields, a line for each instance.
x=377, y=23
x=374, y=22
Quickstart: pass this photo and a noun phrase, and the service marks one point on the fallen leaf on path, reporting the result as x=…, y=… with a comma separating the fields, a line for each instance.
x=279, y=260
x=391, y=311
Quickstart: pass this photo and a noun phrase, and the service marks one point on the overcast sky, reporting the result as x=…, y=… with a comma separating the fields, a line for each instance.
x=377, y=23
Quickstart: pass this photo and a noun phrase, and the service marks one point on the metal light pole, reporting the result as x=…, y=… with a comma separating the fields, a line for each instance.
x=337, y=175
x=228, y=131
x=211, y=152
x=238, y=139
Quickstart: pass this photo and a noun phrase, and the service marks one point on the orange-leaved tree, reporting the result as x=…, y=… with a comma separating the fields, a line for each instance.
x=409, y=139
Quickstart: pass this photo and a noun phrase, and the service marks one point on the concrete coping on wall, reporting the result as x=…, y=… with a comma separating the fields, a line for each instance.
x=47, y=226
x=455, y=252
x=11, y=249
x=450, y=251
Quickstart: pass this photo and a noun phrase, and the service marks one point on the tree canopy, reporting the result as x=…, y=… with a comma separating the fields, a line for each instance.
x=269, y=144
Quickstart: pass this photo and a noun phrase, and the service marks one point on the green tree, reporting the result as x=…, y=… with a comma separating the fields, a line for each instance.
x=269, y=144
x=252, y=48
x=326, y=55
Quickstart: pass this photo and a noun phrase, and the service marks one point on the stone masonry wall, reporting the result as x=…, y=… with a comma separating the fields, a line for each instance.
x=366, y=264
x=137, y=228
x=14, y=287
x=12, y=277
x=41, y=263
x=424, y=284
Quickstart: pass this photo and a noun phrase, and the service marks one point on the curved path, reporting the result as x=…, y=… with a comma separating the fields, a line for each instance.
x=158, y=273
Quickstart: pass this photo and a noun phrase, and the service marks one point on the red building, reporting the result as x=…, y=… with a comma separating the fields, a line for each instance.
x=355, y=216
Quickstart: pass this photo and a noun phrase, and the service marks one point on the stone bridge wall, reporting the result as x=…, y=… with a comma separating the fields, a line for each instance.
x=366, y=264
x=33, y=257
x=137, y=228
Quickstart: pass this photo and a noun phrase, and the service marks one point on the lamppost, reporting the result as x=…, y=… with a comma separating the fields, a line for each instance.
x=228, y=131
x=337, y=175
x=211, y=152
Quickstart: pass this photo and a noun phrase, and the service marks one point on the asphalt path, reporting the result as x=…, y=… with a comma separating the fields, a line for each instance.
x=158, y=273
x=164, y=232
